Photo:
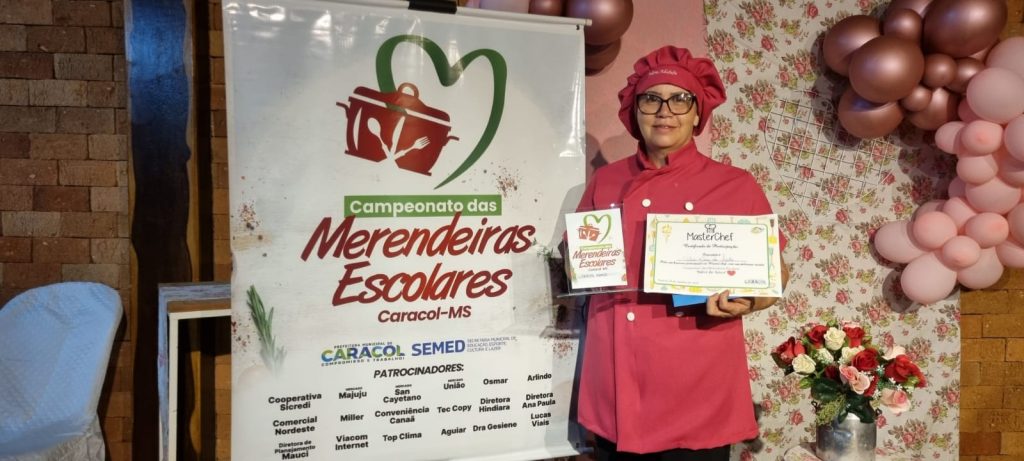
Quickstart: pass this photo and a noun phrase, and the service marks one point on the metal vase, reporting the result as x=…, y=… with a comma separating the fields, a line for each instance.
x=846, y=440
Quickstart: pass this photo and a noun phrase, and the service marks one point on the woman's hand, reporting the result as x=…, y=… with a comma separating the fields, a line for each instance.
x=719, y=305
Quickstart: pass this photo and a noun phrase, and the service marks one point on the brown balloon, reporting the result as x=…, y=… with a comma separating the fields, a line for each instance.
x=902, y=23
x=547, y=7
x=961, y=28
x=941, y=109
x=865, y=119
x=939, y=70
x=609, y=18
x=919, y=6
x=886, y=69
x=917, y=99
x=846, y=37
x=981, y=55
x=599, y=57
x=966, y=68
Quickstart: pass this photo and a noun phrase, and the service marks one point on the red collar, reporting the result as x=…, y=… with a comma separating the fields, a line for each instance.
x=686, y=158
x=687, y=161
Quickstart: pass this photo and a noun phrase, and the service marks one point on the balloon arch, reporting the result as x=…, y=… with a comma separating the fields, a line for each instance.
x=940, y=66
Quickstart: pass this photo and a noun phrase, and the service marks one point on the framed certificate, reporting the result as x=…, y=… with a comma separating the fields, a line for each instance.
x=597, y=256
x=706, y=254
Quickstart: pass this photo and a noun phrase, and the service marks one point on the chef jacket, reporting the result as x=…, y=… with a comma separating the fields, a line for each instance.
x=652, y=379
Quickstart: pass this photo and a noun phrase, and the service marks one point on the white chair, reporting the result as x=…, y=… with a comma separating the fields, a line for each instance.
x=55, y=342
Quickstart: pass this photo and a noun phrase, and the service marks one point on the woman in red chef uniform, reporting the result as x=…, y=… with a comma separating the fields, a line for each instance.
x=654, y=380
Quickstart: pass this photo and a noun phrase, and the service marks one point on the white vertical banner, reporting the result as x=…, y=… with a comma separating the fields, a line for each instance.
x=398, y=180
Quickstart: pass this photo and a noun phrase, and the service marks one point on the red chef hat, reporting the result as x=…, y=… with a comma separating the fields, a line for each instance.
x=675, y=66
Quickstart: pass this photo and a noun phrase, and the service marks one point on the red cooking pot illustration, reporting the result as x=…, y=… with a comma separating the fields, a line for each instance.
x=396, y=126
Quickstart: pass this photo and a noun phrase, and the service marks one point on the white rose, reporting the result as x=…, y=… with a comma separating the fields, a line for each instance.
x=835, y=338
x=894, y=352
x=848, y=353
x=824, y=356
x=803, y=364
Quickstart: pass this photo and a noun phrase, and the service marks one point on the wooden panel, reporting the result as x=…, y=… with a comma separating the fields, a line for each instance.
x=1014, y=18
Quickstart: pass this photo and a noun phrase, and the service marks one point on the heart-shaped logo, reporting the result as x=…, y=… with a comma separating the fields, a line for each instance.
x=448, y=75
x=731, y=272
x=602, y=222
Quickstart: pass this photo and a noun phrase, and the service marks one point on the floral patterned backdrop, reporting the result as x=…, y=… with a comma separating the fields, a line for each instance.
x=832, y=192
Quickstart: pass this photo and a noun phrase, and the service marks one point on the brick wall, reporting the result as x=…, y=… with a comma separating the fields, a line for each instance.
x=64, y=165
x=218, y=138
x=992, y=374
x=992, y=352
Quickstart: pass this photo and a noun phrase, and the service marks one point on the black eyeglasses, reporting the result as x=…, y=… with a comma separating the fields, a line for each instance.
x=678, y=104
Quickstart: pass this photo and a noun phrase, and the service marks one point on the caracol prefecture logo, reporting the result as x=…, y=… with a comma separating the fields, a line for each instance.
x=394, y=124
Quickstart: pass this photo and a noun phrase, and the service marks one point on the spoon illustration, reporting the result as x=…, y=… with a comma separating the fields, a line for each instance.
x=374, y=126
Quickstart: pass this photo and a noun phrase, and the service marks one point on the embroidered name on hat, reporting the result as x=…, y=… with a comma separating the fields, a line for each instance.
x=662, y=71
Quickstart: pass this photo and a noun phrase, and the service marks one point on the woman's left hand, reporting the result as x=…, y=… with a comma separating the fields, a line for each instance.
x=719, y=305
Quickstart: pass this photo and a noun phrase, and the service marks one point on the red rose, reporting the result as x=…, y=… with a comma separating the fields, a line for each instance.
x=787, y=351
x=901, y=369
x=832, y=372
x=817, y=335
x=865, y=360
x=855, y=335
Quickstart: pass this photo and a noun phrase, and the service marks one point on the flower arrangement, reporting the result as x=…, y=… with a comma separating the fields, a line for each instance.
x=847, y=374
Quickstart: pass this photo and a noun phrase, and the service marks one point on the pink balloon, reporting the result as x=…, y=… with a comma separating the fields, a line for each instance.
x=977, y=169
x=988, y=229
x=1010, y=169
x=933, y=229
x=965, y=112
x=982, y=136
x=945, y=136
x=894, y=242
x=1015, y=218
x=996, y=94
x=1013, y=138
x=1010, y=253
x=1008, y=54
x=983, y=273
x=959, y=210
x=926, y=280
x=931, y=205
x=960, y=251
x=995, y=195
x=957, y=188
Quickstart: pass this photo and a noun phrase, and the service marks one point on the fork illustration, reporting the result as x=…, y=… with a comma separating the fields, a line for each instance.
x=418, y=144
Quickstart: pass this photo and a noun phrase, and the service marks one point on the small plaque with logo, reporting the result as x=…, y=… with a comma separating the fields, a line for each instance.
x=706, y=254
x=597, y=257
